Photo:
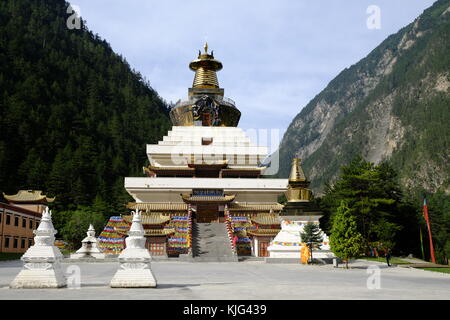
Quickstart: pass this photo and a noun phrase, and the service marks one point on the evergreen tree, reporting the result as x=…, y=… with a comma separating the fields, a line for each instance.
x=312, y=236
x=77, y=223
x=74, y=116
x=345, y=240
x=373, y=197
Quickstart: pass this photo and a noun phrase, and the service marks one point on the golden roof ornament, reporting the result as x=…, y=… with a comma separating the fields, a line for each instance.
x=29, y=196
x=297, y=183
x=297, y=174
x=206, y=104
x=205, y=67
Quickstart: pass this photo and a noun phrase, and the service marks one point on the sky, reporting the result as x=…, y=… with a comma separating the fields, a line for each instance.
x=277, y=55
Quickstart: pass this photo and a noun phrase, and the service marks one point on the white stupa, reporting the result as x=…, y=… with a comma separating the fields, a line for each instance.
x=297, y=212
x=89, y=247
x=42, y=267
x=135, y=270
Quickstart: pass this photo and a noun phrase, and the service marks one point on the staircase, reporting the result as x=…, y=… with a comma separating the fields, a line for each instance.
x=211, y=243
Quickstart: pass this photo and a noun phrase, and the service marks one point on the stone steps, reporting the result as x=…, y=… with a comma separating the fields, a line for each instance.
x=211, y=244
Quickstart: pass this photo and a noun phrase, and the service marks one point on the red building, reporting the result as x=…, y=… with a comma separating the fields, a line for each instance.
x=19, y=218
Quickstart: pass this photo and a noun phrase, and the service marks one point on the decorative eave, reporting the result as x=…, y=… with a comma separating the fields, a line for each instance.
x=209, y=166
x=159, y=232
x=263, y=207
x=266, y=219
x=200, y=199
x=231, y=172
x=263, y=232
x=152, y=171
x=158, y=206
x=29, y=196
x=149, y=218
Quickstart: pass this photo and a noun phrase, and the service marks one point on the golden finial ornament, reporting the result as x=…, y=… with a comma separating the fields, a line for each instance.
x=205, y=67
x=297, y=183
x=297, y=173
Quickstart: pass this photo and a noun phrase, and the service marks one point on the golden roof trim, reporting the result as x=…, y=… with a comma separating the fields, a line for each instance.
x=263, y=232
x=28, y=196
x=149, y=218
x=158, y=206
x=239, y=206
x=223, y=199
x=266, y=219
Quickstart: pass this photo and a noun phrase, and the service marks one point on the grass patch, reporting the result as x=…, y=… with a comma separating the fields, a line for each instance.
x=10, y=256
x=443, y=270
x=393, y=260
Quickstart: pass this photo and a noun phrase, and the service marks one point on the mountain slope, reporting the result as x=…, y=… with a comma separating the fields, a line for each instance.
x=392, y=105
x=74, y=117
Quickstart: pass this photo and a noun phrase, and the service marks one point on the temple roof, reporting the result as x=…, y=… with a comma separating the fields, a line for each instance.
x=241, y=206
x=149, y=232
x=217, y=199
x=29, y=196
x=158, y=206
x=149, y=218
x=266, y=219
x=263, y=232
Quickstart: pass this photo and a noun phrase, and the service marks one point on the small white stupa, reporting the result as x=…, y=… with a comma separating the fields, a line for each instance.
x=89, y=247
x=42, y=268
x=134, y=270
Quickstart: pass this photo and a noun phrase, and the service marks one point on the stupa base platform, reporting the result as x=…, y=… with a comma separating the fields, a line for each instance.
x=39, y=279
x=133, y=278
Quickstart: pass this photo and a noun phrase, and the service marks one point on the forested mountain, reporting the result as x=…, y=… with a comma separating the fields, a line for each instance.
x=74, y=117
x=393, y=105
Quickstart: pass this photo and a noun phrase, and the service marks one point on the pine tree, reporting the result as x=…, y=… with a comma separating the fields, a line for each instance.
x=373, y=197
x=345, y=240
x=312, y=236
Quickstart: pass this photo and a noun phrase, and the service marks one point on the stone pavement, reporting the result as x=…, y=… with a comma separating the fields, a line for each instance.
x=243, y=280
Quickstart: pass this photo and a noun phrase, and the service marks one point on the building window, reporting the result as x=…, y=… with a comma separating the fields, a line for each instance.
x=1, y=216
x=22, y=244
x=31, y=224
x=8, y=219
x=15, y=243
x=30, y=242
x=16, y=221
x=24, y=222
x=6, y=242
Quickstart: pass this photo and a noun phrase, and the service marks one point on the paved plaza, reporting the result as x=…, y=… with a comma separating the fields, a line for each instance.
x=243, y=280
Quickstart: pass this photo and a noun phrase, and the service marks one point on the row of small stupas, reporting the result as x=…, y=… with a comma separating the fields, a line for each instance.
x=206, y=170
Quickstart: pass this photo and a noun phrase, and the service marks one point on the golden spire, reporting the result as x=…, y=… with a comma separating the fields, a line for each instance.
x=297, y=183
x=205, y=67
x=297, y=174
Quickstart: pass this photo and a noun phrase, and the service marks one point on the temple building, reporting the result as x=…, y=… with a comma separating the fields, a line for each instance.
x=205, y=181
x=19, y=217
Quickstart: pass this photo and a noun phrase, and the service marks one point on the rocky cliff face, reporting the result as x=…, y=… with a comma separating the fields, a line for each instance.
x=393, y=105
